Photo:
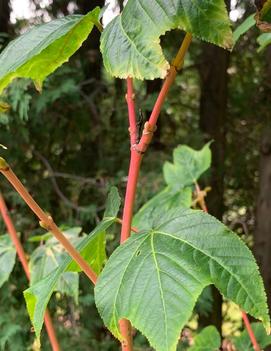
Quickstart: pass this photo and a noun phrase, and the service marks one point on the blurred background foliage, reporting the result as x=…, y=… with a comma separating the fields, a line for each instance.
x=70, y=144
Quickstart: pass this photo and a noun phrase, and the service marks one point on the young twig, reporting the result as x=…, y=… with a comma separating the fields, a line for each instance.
x=22, y=257
x=251, y=334
x=46, y=221
x=137, y=152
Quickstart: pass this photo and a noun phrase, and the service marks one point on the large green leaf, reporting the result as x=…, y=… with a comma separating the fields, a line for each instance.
x=37, y=53
x=243, y=341
x=156, y=277
x=188, y=165
x=207, y=340
x=130, y=44
x=7, y=258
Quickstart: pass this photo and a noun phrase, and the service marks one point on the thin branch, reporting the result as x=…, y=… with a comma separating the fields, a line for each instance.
x=22, y=257
x=46, y=221
x=56, y=186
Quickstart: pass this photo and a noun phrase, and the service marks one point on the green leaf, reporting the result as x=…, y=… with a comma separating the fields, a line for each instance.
x=43, y=49
x=243, y=341
x=155, y=278
x=7, y=258
x=49, y=256
x=166, y=200
x=207, y=340
x=244, y=27
x=92, y=248
x=130, y=44
x=188, y=165
x=113, y=203
x=264, y=40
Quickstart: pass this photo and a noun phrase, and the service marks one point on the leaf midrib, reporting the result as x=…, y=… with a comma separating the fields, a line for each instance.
x=212, y=258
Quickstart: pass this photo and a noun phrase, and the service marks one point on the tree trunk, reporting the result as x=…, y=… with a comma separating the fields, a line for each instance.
x=5, y=26
x=213, y=113
x=91, y=47
x=262, y=236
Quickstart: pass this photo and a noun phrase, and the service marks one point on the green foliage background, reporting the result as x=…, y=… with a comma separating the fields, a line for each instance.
x=77, y=129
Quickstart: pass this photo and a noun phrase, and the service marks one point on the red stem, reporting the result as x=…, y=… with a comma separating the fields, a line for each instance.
x=22, y=257
x=137, y=152
x=130, y=99
x=251, y=334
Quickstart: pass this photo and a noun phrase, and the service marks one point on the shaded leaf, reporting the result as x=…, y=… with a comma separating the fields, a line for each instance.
x=49, y=256
x=7, y=258
x=166, y=200
x=155, y=278
x=243, y=341
x=44, y=48
x=244, y=27
x=130, y=44
x=188, y=165
x=207, y=340
x=264, y=40
x=92, y=248
x=112, y=203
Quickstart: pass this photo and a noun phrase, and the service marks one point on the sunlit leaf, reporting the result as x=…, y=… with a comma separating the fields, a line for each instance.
x=44, y=48
x=188, y=165
x=156, y=277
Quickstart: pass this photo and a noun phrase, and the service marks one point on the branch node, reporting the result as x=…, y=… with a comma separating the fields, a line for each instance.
x=46, y=225
x=3, y=164
x=149, y=129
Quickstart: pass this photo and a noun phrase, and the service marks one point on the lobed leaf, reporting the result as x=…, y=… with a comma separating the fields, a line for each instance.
x=188, y=165
x=155, y=278
x=207, y=340
x=130, y=44
x=7, y=258
x=44, y=48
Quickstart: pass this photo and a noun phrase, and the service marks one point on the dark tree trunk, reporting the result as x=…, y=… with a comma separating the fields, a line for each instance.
x=213, y=113
x=262, y=237
x=5, y=26
x=91, y=49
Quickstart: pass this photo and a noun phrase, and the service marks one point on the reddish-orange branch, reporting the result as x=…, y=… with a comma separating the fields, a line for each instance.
x=22, y=257
x=251, y=334
x=46, y=221
x=137, y=152
x=130, y=99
